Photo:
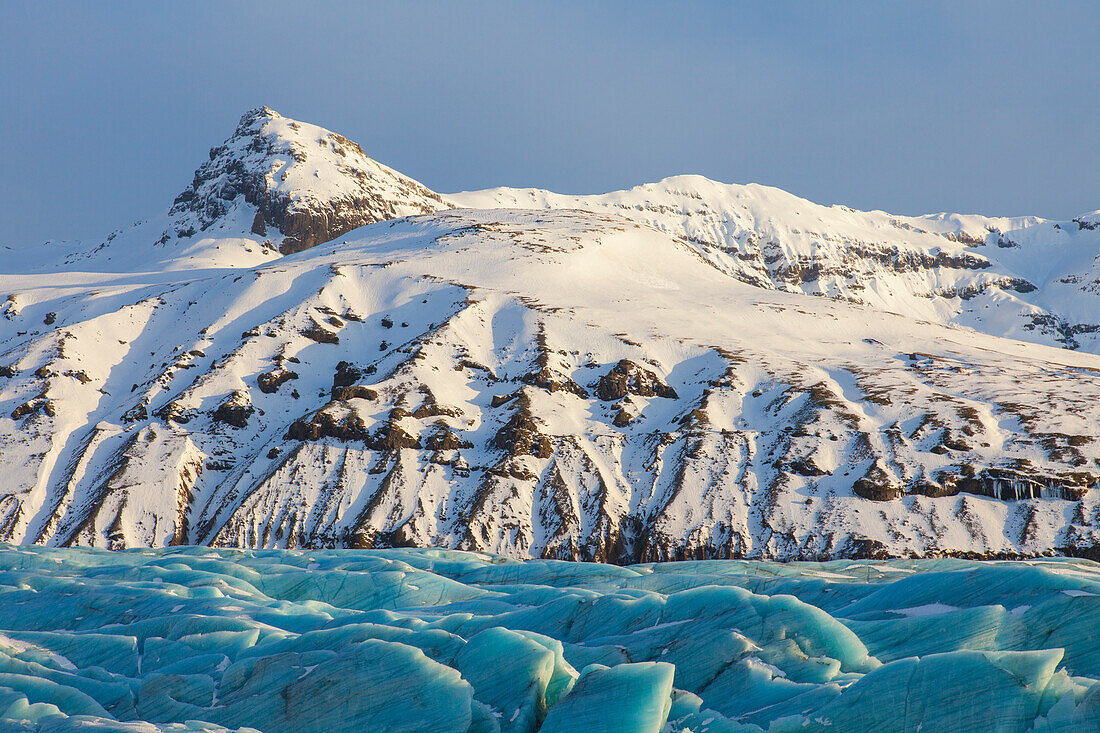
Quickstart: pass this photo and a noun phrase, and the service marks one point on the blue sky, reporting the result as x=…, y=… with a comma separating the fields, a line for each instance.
x=989, y=107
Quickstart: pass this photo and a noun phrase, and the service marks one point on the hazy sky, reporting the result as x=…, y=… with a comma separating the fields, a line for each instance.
x=911, y=107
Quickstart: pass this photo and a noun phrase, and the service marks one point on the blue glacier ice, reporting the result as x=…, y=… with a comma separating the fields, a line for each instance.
x=216, y=640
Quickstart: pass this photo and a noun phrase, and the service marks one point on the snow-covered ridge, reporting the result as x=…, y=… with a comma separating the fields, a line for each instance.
x=649, y=374
x=1020, y=277
x=554, y=383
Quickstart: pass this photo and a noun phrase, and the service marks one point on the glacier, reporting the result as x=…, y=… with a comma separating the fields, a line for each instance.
x=204, y=639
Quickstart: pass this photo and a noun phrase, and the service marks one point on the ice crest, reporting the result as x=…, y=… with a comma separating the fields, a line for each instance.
x=233, y=640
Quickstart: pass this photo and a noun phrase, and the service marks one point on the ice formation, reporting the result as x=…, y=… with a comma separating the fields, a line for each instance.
x=198, y=639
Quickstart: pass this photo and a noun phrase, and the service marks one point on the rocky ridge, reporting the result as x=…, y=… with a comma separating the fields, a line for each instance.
x=307, y=184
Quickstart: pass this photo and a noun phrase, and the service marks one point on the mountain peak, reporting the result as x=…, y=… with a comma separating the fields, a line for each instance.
x=255, y=112
x=253, y=121
x=305, y=185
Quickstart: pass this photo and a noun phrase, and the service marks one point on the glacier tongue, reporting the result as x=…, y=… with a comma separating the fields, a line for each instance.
x=430, y=640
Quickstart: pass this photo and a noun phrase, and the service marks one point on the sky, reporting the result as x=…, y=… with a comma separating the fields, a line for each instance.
x=106, y=109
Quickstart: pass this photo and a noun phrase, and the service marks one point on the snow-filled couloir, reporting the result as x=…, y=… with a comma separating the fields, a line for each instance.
x=649, y=374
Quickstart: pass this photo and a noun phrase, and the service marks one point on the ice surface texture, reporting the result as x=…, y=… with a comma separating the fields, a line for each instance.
x=431, y=640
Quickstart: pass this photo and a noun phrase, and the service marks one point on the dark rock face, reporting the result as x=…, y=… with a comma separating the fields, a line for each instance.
x=876, y=492
x=348, y=374
x=626, y=377
x=235, y=411
x=259, y=164
x=392, y=437
x=806, y=467
x=877, y=486
x=800, y=270
x=329, y=423
x=865, y=549
x=550, y=372
x=1064, y=332
x=344, y=385
x=501, y=399
x=622, y=418
x=269, y=381
x=1013, y=485
x=324, y=424
x=40, y=403
x=321, y=335
x=924, y=487
x=445, y=439
x=546, y=378
x=343, y=394
x=431, y=408
x=521, y=434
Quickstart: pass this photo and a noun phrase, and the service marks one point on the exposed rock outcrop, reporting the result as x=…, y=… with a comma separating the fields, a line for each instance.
x=307, y=183
x=626, y=377
x=269, y=382
x=236, y=410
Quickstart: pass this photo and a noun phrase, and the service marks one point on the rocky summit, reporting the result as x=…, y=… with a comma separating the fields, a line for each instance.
x=307, y=349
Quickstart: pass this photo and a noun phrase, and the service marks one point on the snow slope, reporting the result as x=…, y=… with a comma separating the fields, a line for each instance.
x=578, y=378
x=1023, y=277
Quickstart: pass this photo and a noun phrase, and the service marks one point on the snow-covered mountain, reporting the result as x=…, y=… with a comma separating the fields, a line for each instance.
x=1020, y=277
x=685, y=369
x=274, y=187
